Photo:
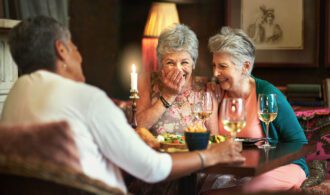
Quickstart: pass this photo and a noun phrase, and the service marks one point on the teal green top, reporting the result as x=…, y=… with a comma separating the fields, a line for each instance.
x=285, y=128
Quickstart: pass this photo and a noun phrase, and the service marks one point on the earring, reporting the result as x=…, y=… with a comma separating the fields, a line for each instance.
x=64, y=65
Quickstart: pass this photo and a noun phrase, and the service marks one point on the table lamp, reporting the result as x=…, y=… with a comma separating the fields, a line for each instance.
x=161, y=15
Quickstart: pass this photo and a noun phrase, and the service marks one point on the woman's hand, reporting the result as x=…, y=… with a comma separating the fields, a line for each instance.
x=226, y=152
x=173, y=82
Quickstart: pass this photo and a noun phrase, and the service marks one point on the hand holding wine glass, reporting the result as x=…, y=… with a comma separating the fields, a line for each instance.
x=267, y=112
x=233, y=115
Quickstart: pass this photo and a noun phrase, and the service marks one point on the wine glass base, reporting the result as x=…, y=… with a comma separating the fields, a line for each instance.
x=266, y=146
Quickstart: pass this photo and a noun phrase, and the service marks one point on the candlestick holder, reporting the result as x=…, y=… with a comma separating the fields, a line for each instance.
x=134, y=96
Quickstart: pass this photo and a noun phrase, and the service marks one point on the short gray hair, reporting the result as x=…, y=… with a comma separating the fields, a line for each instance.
x=177, y=38
x=234, y=42
x=32, y=43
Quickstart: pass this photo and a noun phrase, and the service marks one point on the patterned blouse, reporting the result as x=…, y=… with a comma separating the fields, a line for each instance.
x=176, y=118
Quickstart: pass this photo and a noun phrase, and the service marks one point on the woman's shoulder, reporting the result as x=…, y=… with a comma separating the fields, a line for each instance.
x=263, y=86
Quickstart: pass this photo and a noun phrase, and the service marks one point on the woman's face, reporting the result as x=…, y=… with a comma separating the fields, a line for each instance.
x=181, y=61
x=226, y=71
x=74, y=62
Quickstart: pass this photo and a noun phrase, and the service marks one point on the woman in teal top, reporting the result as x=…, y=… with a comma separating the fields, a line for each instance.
x=233, y=58
x=285, y=128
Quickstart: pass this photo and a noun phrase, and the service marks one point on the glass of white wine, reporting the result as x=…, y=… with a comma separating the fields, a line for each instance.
x=203, y=105
x=267, y=112
x=233, y=115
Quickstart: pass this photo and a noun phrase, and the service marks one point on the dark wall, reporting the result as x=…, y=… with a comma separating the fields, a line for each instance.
x=1, y=9
x=95, y=28
x=103, y=29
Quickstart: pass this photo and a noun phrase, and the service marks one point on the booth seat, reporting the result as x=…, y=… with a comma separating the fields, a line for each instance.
x=316, y=123
x=43, y=159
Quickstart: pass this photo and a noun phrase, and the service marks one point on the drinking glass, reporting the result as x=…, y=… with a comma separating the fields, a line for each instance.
x=267, y=112
x=233, y=115
x=203, y=105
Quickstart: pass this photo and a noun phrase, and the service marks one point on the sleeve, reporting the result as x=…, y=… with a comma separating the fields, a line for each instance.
x=119, y=143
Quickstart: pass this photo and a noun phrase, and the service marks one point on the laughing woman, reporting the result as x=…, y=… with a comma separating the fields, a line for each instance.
x=233, y=59
x=165, y=106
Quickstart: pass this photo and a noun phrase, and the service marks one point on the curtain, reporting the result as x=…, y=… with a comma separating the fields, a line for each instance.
x=57, y=9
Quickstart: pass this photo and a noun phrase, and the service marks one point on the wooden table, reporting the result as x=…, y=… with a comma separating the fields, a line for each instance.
x=258, y=161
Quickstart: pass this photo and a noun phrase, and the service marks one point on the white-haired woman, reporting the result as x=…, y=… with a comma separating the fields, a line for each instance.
x=165, y=106
x=233, y=59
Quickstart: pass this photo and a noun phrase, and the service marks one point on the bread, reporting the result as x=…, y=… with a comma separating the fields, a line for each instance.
x=148, y=138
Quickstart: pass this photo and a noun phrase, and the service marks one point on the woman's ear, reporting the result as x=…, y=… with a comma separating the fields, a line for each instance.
x=61, y=50
x=246, y=67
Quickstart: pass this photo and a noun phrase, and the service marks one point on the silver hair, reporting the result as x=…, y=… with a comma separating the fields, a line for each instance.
x=177, y=38
x=236, y=43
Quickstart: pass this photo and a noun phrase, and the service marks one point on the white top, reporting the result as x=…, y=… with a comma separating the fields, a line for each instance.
x=104, y=139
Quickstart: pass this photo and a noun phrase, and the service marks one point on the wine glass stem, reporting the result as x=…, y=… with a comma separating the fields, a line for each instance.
x=267, y=134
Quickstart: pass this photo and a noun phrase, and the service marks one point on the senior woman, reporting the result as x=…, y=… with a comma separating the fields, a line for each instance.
x=165, y=106
x=51, y=88
x=233, y=59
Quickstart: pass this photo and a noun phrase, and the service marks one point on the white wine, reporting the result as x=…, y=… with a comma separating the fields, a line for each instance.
x=233, y=126
x=267, y=117
x=203, y=115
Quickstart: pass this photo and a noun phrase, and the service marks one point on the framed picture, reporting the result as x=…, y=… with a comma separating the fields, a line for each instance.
x=290, y=41
x=267, y=23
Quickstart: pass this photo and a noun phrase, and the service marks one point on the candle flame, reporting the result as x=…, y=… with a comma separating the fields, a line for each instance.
x=133, y=68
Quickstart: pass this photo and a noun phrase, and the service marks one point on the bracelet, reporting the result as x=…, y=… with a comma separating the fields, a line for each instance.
x=165, y=103
x=202, y=158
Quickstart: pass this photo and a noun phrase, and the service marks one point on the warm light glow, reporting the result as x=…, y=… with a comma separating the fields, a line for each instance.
x=149, y=57
x=134, y=78
x=133, y=68
x=161, y=15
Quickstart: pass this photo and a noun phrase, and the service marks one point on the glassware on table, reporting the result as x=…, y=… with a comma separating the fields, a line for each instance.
x=267, y=112
x=203, y=105
x=233, y=115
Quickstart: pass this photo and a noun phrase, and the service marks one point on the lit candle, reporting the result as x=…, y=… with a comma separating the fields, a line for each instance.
x=133, y=78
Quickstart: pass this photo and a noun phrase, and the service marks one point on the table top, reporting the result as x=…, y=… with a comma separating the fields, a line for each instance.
x=259, y=161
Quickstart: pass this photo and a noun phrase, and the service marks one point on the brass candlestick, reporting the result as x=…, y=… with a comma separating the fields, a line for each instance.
x=134, y=95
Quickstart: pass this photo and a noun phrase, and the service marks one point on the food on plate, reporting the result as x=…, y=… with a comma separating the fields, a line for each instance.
x=147, y=137
x=171, y=138
x=217, y=138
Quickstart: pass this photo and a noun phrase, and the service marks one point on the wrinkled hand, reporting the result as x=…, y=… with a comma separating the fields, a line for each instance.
x=227, y=152
x=172, y=81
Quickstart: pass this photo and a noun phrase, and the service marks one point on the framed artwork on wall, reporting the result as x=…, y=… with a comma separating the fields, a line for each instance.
x=268, y=24
x=282, y=39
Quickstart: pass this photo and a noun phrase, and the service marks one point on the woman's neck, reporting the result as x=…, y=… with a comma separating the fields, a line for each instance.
x=243, y=89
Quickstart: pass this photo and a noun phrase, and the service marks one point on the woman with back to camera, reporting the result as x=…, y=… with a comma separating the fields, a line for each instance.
x=166, y=105
x=52, y=84
x=233, y=59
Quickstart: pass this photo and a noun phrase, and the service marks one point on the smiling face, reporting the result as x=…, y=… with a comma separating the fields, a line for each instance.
x=228, y=74
x=181, y=61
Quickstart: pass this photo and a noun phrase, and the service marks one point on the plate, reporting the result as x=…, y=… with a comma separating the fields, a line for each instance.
x=164, y=145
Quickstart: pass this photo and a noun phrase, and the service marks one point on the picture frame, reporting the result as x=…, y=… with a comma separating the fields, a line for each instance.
x=267, y=23
x=305, y=56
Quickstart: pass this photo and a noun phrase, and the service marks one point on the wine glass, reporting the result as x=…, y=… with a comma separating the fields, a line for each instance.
x=203, y=105
x=233, y=115
x=267, y=112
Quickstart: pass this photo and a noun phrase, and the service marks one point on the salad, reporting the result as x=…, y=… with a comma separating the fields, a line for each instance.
x=180, y=139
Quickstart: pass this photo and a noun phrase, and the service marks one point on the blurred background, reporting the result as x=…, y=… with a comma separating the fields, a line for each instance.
x=109, y=36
